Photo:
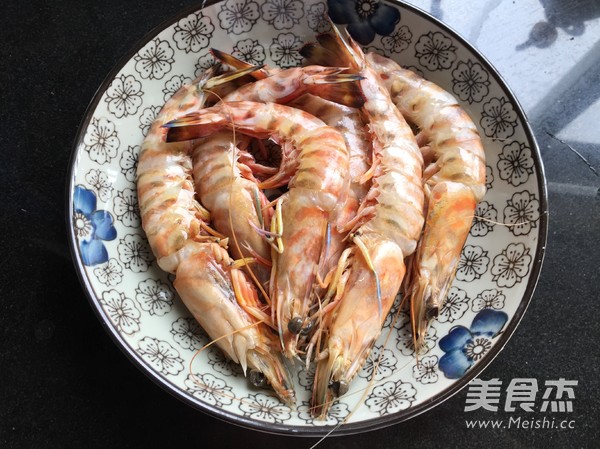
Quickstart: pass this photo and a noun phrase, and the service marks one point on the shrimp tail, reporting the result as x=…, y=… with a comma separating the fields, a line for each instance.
x=192, y=126
x=236, y=63
x=230, y=76
x=339, y=88
x=317, y=54
x=332, y=49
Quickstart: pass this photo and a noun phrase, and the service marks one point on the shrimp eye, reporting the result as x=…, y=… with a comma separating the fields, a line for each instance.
x=432, y=313
x=295, y=325
x=308, y=328
x=257, y=379
x=338, y=388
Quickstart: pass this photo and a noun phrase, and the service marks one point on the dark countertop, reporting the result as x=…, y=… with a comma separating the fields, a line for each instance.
x=64, y=383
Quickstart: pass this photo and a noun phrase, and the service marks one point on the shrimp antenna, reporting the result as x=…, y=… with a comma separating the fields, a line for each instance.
x=508, y=225
x=365, y=253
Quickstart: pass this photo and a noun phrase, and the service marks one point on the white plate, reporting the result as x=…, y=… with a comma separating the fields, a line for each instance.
x=135, y=300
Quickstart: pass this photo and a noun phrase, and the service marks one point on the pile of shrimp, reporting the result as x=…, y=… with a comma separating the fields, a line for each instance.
x=303, y=258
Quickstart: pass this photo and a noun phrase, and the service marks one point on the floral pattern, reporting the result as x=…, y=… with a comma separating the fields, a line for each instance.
x=306, y=377
x=101, y=141
x=470, y=81
x=193, y=33
x=98, y=180
x=161, y=356
x=154, y=297
x=405, y=344
x=426, y=370
x=203, y=63
x=238, y=16
x=485, y=217
x=264, y=408
x=128, y=162
x=435, y=51
x=398, y=41
x=455, y=306
x=380, y=364
x=134, y=253
x=188, y=334
x=209, y=389
x=109, y=273
x=472, y=264
x=511, y=266
x=154, y=61
x=336, y=414
x=463, y=347
x=249, y=50
x=285, y=50
x=317, y=18
x=221, y=364
x=365, y=18
x=282, y=14
x=126, y=208
x=391, y=397
x=147, y=118
x=91, y=227
x=515, y=164
x=122, y=311
x=522, y=211
x=136, y=297
x=488, y=299
x=498, y=118
x=124, y=96
x=489, y=177
x=174, y=84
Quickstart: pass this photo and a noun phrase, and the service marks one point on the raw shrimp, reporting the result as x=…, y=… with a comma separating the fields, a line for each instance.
x=284, y=85
x=454, y=180
x=212, y=290
x=281, y=85
x=229, y=191
x=384, y=232
x=220, y=184
x=320, y=184
x=207, y=279
x=351, y=125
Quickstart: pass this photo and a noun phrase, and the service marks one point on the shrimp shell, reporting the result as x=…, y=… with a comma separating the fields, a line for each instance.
x=176, y=227
x=384, y=231
x=320, y=184
x=454, y=180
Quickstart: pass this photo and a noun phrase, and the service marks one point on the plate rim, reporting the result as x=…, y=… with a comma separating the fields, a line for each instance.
x=325, y=430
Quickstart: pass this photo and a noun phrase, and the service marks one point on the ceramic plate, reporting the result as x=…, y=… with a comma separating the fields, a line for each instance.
x=136, y=301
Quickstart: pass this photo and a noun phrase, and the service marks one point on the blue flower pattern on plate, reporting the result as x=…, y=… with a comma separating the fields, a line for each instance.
x=91, y=227
x=463, y=347
x=364, y=18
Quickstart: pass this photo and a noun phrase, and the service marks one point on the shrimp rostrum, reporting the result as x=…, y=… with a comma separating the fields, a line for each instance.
x=209, y=282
